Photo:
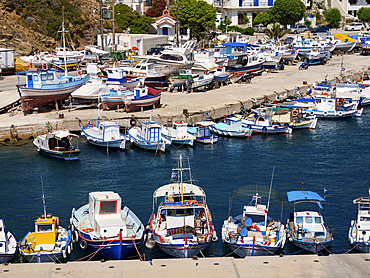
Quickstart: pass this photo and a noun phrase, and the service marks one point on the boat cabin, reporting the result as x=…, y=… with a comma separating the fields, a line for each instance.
x=116, y=75
x=105, y=213
x=58, y=140
x=233, y=124
x=46, y=232
x=151, y=131
x=180, y=129
x=37, y=79
x=3, y=238
x=309, y=224
x=140, y=92
x=109, y=131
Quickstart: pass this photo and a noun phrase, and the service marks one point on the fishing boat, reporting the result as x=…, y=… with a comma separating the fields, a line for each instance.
x=8, y=244
x=221, y=75
x=307, y=229
x=201, y=81
x=202, y=132
x=181, y=223
x=245, y=63
x=104, y=134
x=232, y=126
x=57, y=144
x=149, y=136
x=359, y=231
x=106, y=229
x=261, y=122
x=254, y=233
x=295, y=118
x=49, y=242
x=184, y=77
x=179, y=134
x=46, y=87
x=143, y=97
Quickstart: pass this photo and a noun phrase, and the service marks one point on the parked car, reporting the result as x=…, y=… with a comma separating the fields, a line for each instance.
x=298, y=29
x=354, y=26
x=154, y=51
x=320, y=28
x=259, y=28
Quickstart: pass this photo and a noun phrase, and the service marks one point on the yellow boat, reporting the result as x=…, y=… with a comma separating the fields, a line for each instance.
x=48, y=243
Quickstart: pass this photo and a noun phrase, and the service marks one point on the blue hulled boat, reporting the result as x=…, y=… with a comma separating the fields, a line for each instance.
x=105, y=228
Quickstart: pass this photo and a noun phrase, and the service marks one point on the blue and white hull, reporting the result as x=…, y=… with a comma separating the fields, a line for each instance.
x=180, y=251
x=246, y=250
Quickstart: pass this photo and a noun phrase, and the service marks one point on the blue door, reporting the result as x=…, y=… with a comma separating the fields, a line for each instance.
x=256, y=4
x=29, y=81
x=270, y=3
x=240, y=3
x=165, y=31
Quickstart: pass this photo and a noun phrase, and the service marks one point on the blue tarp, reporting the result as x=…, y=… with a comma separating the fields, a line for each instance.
x=294, y=196
x=235, y=44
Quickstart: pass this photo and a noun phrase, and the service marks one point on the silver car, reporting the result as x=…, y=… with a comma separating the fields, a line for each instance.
x=355, y=26
x=298, y=29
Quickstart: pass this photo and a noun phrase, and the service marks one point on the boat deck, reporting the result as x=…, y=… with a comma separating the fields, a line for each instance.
x=308, y=239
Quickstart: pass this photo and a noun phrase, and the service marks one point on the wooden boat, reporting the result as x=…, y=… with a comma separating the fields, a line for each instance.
x=106, y=229
x=48, y=243
x=254, y=233
x=181, y=223
x=201, y=81
x=57, y=144
x=149, y=136
x=185, y=76
x=105, y=134
x=231, y=127
x=8, y=244
x=307, y=229
x=359, y=231
x=45, y=87
x=202, y=133
x=178, y=133
x=295, y=118
x=261, y=122
x=221, y=75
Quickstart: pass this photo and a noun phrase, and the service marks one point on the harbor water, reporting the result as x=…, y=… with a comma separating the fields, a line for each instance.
x=334, y=156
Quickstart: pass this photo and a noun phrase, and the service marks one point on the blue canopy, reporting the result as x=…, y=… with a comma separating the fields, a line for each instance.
x=235, y=44
x=294, y=196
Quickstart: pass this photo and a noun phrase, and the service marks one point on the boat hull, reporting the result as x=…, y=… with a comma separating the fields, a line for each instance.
x=180, y=251
x=229, y=133
x=6, y=257
x=64, y=155
x=247, y=250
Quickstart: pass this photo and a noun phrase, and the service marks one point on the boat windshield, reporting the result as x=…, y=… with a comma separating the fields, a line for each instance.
x=256, y=218
x=44, y=228
x=108, y=207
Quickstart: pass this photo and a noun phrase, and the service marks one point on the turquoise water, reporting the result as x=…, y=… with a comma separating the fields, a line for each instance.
x=335, y=156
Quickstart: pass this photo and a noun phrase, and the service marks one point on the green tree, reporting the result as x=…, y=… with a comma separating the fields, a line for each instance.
x=287, y=12
x=127, y=17
x=364, y=14
x=333, y=17
x=318, y=15
x=308, y=23
x=197, y=15
x=262, y=18
x=275, y=32
x=157, y=8
x=245, y=19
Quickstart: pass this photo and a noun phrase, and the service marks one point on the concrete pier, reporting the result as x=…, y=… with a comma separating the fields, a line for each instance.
x=190, y=107
x=344, y=265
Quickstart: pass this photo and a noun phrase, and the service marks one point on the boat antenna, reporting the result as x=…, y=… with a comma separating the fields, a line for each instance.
x=182, y=187
x=43, y=197
x=64, y=45
x=272, y=178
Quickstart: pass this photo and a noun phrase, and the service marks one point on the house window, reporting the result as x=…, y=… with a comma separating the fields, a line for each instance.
x=165, y=31
x=148, y=3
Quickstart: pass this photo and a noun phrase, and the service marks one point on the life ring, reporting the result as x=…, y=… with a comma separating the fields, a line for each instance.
x=312, y=113
x=295, y=113
x=83, y=244
x=253, y=227
x=340, y=113
x=325, y=113
x=87, y=230
x=46, y=66
x=133, y=122
x=264, y=129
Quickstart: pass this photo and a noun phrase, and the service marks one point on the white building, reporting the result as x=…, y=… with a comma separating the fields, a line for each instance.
x=348, y=8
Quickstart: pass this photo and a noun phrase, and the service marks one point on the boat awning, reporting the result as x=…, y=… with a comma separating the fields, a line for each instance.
x=60, y=134
x=252, y=190
x=235, y=44
x=353, y=95
x=175, y=188
x=294, y=196
x=205, y=123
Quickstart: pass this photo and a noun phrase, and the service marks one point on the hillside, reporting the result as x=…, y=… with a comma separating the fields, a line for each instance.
x=32, y=25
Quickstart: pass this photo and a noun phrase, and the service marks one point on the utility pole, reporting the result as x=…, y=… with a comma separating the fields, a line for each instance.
x=177, y=24
x=114, y=33
x=222, y=10
x=101, y=25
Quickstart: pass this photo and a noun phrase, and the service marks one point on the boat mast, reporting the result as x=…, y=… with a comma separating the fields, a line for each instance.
x=182, y=188
x=64, y=46
x=272, y=178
